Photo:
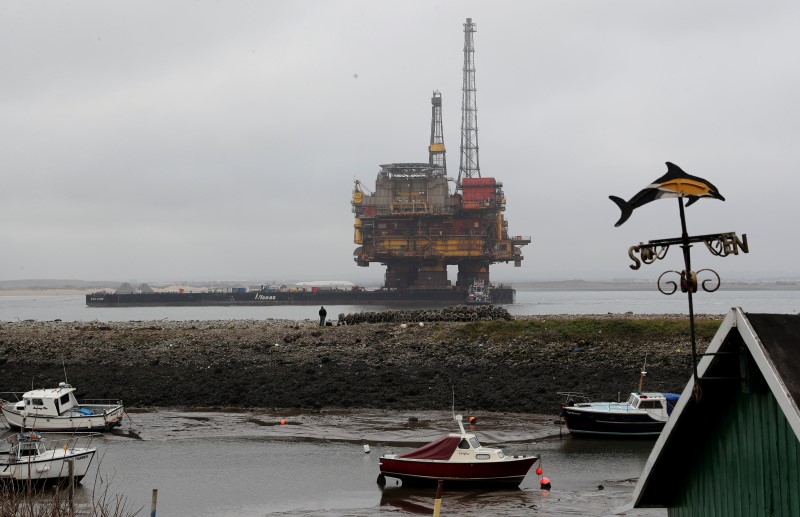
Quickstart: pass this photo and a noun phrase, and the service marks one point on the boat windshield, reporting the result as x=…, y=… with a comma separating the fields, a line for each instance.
x=475, y=443
x=31, y=449
x=651, y=404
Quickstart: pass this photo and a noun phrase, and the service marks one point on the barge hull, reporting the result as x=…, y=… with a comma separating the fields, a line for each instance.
x=500, y=295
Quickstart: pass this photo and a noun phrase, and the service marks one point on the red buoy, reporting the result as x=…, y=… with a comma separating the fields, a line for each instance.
x=283, y=421
x=545, y=483
x=472, y=420
x=539, y=471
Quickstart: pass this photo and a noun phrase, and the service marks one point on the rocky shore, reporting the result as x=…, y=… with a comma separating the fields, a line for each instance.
x=517, y=365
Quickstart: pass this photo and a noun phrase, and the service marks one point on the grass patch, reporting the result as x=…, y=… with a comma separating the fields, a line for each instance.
x=587, y=328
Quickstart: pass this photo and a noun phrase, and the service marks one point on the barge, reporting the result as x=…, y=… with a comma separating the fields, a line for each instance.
x=268, y=295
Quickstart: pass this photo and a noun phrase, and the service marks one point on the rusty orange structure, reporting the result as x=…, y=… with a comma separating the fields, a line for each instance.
x=414, y=225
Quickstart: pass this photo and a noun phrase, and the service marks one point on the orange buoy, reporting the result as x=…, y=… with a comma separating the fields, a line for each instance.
x=472, y=420
x=539, y=471
x=545, y=483
x=283, y=421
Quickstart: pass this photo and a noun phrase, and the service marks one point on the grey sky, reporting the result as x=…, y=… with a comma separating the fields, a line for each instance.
x=203, y=140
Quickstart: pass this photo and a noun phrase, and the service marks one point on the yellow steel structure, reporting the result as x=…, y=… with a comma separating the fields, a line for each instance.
x=416, y=227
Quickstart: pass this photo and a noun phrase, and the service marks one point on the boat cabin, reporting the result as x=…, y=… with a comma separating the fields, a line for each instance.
x=48, y=402
x=24, y=445
x=469, y=448
x=654, y=403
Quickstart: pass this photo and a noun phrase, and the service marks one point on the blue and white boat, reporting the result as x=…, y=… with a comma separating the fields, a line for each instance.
x=643, y=414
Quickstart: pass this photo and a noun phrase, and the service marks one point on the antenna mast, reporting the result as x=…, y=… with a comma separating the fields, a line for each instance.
x=468, y=166
x=436, y=153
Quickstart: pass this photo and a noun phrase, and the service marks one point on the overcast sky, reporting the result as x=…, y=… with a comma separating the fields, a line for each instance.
x=199, y=140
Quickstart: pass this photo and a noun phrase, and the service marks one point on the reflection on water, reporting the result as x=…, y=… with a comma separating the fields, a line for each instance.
x=245, y=463
x=460, y=502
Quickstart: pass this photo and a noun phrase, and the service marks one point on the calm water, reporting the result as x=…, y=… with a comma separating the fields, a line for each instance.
x=73, y=308
x=243, y=464
x=234, y=464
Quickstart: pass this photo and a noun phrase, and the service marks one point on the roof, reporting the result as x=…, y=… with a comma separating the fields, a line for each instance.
x=47, y=393
x=772, y=340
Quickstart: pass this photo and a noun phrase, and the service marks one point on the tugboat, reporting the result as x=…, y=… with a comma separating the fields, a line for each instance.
x=479, y=293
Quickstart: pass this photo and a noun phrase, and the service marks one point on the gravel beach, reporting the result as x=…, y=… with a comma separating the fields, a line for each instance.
x=499, y=365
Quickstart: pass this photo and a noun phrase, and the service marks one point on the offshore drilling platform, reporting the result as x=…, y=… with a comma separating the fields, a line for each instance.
x=416, y=227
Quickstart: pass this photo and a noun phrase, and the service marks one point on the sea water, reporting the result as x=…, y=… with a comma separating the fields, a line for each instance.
x=241, y=464
x=528, y=303
x=237, y=463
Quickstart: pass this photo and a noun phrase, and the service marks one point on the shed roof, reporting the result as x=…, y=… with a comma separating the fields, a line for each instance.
x=773, y=342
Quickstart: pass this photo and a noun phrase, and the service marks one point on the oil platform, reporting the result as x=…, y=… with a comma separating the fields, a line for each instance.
x=414, y=225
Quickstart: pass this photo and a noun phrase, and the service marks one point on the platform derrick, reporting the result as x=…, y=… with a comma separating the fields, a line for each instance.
x=414, y=224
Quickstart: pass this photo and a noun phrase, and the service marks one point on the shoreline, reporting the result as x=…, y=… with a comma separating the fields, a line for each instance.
x=543, y=286
x=517, y=365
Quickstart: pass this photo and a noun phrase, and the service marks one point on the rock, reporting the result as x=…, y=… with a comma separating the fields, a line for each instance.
x=499, y=365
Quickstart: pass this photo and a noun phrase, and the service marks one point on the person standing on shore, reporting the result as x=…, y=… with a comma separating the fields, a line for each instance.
x=322, y=314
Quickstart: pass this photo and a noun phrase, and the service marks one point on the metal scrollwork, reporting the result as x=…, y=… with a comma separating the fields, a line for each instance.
x=688, y=282
x=710, y=285
x=668, y=284
x=648, y=253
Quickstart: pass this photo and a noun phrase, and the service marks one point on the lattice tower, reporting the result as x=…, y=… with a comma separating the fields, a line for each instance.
x=436, y=151
x=468, y=166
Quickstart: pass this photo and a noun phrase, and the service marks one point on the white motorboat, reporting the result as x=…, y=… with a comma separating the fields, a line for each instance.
x=29, y=459
x=57, y=409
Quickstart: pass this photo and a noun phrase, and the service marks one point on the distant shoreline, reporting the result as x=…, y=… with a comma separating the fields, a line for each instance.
x=526, y=286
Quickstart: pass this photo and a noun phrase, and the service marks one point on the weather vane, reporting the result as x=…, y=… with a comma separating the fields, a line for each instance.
x=677, y=184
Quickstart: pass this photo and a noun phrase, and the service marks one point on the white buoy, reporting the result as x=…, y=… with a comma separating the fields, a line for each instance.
x=421, y=323
x=366, y=448
x=403, y=325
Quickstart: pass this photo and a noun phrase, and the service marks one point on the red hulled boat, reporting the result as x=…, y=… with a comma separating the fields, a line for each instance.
x=456, y=459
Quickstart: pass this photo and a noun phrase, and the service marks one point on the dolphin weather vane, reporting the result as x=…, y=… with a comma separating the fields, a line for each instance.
x=678, y=184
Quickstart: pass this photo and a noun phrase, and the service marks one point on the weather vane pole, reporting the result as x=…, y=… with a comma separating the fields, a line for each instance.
x=676, y=183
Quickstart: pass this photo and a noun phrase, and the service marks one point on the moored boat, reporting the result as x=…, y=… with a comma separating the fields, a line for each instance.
x=29, y=459
x=457, y=459
x=644, y=414
x=57, y=409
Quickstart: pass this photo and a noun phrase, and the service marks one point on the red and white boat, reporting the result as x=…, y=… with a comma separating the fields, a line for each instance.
x=456, y=459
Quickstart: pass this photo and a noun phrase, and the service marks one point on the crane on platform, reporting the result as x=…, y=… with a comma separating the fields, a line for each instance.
x=436, y=151
x=468, y=165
